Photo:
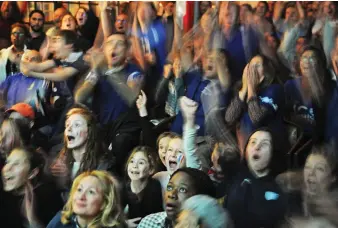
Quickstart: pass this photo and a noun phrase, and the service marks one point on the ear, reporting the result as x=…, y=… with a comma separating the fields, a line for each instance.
x=34, y=173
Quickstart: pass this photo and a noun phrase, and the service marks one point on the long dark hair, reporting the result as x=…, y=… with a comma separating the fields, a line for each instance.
x=94, y=148
x=324, y=93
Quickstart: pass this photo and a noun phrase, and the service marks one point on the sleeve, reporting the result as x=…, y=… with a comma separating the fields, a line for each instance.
x=162, y=91
x=80, y=65
x=189, y=144
x=266, y=106
x=317, y=26
x=286, y=51
x=328, y=40
x=149, y=135
x=234, y=111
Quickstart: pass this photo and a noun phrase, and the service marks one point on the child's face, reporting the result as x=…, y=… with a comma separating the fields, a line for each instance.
x=162, y=148
x=139, y=167
x=175, y=156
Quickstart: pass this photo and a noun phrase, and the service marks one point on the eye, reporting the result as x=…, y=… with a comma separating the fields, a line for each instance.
x=321, y=169
x=131, y=161
x=182, y=190
x=169, y=188
x=92, y=192
x=142, y=162
x=79, y=190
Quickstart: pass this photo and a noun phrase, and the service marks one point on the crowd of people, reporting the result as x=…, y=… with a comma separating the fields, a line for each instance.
x=129, y=120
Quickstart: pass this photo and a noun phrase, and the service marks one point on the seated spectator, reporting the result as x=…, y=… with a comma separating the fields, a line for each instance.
x=87, y=24
x=254, y=199
x=307, y=190
x=170, y=88
x=14, y=133
x=30, y=199
x=259, y=102
x=94, y=202
x=11, y=13
x=121, y=23
x=20, y=88
x=240, y=42
x=68, y=22
x=82, y=151
x=142, y=194
x=120, y=83
x=312, y=98
x=10, y=57
x=36, y=24
x=67, y=68
x=183, y=184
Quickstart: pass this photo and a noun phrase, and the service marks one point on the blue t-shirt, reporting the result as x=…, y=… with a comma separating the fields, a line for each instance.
x=107, y=103
x=19, y=88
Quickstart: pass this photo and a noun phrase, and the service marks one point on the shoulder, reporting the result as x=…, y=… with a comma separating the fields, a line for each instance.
x=153, y=220
x=56, y=221
x=133, y=71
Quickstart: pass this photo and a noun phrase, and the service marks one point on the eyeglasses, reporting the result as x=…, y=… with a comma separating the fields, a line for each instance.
x=18, y=33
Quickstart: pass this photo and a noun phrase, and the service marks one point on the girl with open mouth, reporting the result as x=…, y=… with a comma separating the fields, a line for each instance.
x=142, y=195
x=83, y=149
x=254, y=199
x=174, y=160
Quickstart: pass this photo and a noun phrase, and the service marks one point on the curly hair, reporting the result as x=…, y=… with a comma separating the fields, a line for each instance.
x=111, y=215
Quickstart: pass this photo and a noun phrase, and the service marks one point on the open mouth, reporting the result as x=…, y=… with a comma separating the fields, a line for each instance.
x=170, y=207
x=210, y=68
x=256, y=157
x=70, y=138
x=172, y=164
x=135, y=172
x=8, y=179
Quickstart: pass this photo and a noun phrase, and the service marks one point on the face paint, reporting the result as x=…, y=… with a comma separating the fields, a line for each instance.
x=76, y=131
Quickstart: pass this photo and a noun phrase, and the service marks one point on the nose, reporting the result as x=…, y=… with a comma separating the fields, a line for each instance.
x=82, y=196
x=173, y=194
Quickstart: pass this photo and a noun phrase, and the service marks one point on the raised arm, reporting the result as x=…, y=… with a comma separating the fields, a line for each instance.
x=57, y=76
x=106, y=24
x=37, y=67
x=189, y=108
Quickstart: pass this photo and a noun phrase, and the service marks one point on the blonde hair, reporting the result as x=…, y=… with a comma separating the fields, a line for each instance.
x=111, y=215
